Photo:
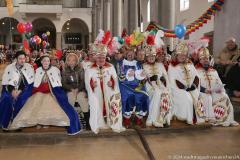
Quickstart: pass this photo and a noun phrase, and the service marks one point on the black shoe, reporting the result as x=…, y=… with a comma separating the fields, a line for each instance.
x=86, y=118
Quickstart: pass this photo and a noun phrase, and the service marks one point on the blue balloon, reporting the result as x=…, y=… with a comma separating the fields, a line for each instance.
x=180, y=30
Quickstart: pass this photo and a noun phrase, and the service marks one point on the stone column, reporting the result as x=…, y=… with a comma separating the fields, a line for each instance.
x=132, y=15
x=166, y=18
x=117, y=11
x=58, y=40
x=106, y=15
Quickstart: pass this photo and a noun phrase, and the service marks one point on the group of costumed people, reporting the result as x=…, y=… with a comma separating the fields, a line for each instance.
x=117, y=86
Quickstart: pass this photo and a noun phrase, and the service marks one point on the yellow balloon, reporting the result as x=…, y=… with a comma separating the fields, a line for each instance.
x=48, y=33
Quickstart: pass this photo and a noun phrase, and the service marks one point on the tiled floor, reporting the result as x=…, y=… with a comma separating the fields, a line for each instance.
x=167, y=145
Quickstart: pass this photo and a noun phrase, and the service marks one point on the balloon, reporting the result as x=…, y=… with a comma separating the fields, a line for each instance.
x=36, y=37
x=180, y=30
x=44, y=36
x=32, y=41
x=21, y=28
x=120, y=40
x=28, y=27
x=38, y=40
x=28, y=35
x=25, y=44
x=44, y=43
x=48, y=33
x=58, y=54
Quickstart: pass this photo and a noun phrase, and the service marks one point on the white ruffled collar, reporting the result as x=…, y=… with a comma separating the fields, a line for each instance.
x=129, y=63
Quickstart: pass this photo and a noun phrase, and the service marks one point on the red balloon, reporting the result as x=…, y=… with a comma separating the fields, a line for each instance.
x=36, y=37
x=21, y=28
x=44, y=43
x=58, y=54
x=25, y=44
x=38, y=40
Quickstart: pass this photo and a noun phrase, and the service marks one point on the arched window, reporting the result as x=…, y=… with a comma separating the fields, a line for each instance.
x=148, y=11
x=184, y=5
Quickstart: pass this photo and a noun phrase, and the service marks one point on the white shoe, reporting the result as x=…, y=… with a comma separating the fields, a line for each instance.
x=158, y=125
x=148, y=123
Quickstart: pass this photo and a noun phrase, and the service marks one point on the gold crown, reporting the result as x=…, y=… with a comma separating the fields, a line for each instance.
x=203, y=53
x=98, y=48
x=182, y=48
x=150, y=50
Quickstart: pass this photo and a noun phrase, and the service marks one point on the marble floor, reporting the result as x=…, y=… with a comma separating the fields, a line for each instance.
x=217, y=141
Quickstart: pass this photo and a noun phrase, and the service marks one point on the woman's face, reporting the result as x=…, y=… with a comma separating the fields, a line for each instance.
x=72, y=61
x=45, y=62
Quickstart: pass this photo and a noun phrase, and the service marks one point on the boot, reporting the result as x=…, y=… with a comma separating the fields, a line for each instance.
x=86, y=118
x=139, y=121
x=126, y=122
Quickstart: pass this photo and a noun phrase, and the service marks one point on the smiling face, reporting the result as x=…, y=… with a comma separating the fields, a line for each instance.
x=231, y=45
x=181, y=58
x=151, y=59
x=100, y=60
x=45, y=62
x=140, y=55
x=72, y=61
x=204, y=61
x=21, y=59
x=130, y=55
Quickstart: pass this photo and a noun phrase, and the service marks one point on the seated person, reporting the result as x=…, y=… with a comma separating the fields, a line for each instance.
x=17, y=84
x=157, y=89
x=73, y=84
x=227, y=58
x=48, y=105
x=103, y=92
x=185, y=88
x=217, y=106
x=233, y=80
x=133, y=91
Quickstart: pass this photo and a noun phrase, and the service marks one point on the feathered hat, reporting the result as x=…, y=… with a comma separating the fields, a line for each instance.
x=153, y=43
x=203, y=53
x=182, y=48
x=100, y=45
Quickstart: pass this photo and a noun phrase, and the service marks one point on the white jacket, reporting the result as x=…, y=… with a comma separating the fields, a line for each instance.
x=11, y=75
x=53, y=74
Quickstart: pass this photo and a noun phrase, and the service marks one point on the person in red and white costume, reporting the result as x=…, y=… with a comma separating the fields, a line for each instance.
x=217, y=105
x=104, y=96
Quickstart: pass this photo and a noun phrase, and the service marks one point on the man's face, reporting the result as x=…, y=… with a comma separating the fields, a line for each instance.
x=91, y=57
x=181, y=58
x=118, y=56
x=130, y=55
x=204, y=61
x=21, y=59
x=151, y=59
x=231, y=45
x=45, y=62
x=100, y=60
x=140, y=55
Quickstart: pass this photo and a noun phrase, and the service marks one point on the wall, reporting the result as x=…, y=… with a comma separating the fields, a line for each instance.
x=197, y=8
x=227, y=24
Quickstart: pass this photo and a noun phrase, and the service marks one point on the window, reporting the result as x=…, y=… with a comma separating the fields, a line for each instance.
x=184, y=5
x=148, y=11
